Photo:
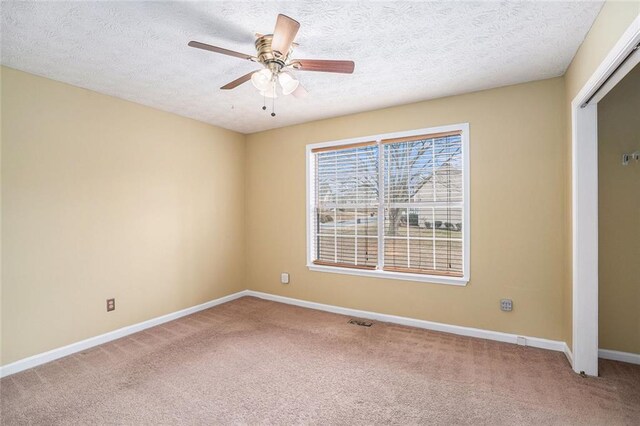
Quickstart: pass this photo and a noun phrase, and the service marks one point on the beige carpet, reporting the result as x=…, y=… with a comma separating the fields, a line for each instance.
x=254, y=361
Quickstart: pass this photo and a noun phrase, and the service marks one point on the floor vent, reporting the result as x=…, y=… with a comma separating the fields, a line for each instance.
x=361, y=323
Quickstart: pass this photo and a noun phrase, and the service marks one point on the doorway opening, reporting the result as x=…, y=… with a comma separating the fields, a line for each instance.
x=619, y=220
x=584, y=108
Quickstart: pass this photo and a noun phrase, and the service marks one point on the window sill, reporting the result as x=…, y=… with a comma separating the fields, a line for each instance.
x=434, y=279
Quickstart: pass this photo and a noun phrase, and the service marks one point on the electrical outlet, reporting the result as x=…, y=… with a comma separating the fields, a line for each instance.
x=284, y=278
x=111, y=305
x=506, y=305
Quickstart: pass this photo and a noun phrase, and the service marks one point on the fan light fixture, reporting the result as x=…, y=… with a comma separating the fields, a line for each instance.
x=265, y=81
x=288, y=83
x=262, y=79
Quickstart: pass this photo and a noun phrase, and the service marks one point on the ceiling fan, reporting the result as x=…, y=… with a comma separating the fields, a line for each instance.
x=274, y=53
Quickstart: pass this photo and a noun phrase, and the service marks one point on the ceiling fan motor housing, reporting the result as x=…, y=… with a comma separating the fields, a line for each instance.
x=266, y=56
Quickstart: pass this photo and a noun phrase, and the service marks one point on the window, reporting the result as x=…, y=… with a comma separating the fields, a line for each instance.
x=392, y=206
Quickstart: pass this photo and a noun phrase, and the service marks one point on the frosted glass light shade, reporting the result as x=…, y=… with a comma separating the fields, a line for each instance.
x=262, y=79
x=288, y=83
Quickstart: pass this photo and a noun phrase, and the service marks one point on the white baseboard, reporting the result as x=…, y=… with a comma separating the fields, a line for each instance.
x=619, y=356
x=39, y=359
x=536, y=342
x=568, y=354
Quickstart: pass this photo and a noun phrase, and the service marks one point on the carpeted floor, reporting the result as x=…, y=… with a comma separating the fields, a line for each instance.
x=254, y=361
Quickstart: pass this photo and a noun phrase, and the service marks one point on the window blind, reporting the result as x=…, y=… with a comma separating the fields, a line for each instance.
x=423, y=204
x=346, y=206
x=394, y=205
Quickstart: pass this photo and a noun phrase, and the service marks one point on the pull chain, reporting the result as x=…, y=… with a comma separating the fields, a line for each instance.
x=273, y=100
x=273, y=107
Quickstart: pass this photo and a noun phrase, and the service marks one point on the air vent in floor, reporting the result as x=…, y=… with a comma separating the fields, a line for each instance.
x=361, y=323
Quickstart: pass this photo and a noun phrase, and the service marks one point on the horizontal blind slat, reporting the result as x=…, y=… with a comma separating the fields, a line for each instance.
x=344, y=147
x=422, y=137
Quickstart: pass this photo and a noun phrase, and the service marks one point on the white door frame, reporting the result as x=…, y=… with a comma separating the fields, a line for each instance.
x=584, y=124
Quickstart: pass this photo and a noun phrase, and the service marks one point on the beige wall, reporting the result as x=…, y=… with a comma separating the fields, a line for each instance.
x=517, y=210
x=106, y=198
x=614, y=18
x=619, y=217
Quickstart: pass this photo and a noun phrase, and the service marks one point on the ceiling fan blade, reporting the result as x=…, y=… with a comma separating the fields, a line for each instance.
x=216, y=49
x=238, y=81
x=300, y=92
x=345, y=67
x=284, y=33
x=294, y=44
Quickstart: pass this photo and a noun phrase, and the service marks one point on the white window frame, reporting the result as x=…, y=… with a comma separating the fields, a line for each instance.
x=463, y=128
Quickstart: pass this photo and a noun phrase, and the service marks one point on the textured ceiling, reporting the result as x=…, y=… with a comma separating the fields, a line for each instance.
x=404, y=51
